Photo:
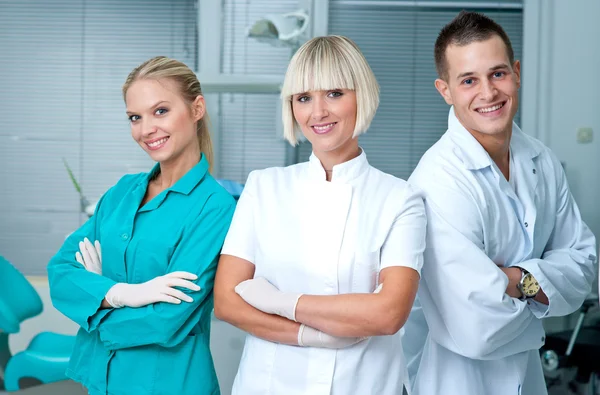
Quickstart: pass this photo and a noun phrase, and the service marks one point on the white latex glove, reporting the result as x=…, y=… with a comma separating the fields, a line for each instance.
x=311, y=337
x=263, y=295
x=90, y=256
x=159, y=289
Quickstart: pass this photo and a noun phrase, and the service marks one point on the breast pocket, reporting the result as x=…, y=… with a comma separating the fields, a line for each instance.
x=150, y=259
x=365, y=273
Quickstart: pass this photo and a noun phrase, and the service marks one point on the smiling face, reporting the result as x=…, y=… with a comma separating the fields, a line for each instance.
x=483, y=86
x=327, y=119
x=162, y=122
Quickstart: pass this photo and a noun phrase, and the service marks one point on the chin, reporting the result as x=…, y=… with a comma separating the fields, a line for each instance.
x=159, y=156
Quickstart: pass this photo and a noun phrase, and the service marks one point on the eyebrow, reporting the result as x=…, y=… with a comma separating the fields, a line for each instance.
x=494, y=68
x=152, y=106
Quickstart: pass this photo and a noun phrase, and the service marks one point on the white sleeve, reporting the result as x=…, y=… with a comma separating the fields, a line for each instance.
x=463, y=292
x=405, y=242
x=241, y=238
x=566, y=269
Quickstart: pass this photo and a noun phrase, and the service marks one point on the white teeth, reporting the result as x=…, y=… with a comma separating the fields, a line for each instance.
x=157, y=143
x=490, y=109
x=324, y=127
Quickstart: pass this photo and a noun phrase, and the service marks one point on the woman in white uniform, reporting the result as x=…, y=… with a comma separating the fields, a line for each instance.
x=321, y=263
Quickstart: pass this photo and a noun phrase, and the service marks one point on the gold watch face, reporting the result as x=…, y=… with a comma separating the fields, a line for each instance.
x=530, y=285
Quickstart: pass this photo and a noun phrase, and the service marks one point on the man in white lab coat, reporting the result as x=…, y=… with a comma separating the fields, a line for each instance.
x=506, y=245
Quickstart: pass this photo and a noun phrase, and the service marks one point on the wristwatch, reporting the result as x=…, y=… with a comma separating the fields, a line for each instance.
x=528, y=285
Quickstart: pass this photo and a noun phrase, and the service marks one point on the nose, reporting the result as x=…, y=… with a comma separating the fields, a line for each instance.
x=488, y=90
x=319, y=109
x=148, y=128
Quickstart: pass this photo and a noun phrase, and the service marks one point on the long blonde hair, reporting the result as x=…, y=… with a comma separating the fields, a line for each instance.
x=162, y=67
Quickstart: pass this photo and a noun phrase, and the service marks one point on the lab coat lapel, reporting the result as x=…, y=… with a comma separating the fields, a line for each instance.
x=527, y=176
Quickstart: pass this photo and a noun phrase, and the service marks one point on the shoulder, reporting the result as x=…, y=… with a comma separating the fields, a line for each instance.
x=449, y=187
x=386, y=182
x=271, y=177
x=394, y=192
x=442, y=167
x=212, y=195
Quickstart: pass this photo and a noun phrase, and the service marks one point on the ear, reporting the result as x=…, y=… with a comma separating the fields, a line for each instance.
x=517, y=70
x=198, y=108
x=444, y=89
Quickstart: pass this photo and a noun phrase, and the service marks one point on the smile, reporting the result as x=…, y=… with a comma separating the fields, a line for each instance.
x=156, y=144
x=322, y=129
x=486, y=110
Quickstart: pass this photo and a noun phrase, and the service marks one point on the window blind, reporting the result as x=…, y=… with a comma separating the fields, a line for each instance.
x=62, y=67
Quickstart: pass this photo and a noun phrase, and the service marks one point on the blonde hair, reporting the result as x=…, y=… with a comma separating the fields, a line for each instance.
x=162, y=67
x=326, y=63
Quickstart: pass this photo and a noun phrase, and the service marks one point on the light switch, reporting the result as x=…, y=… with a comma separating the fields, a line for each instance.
x=585, y=135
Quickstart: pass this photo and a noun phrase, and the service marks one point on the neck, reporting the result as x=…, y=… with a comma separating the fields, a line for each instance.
x=171, y=171
x=498, y=147
x=330, y=159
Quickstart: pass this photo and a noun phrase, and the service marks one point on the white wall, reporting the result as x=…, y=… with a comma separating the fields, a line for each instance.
x=561, y=91
x=226, y=341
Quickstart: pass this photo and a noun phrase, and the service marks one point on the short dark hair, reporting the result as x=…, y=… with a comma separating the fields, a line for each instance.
x=467, y=27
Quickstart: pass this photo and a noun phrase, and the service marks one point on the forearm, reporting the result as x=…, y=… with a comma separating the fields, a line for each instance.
x=565, y=283
x=542, y=298
x=352, y=315
x=75, y=292
x=380, y=313
x=514, y=278
x=234, y=310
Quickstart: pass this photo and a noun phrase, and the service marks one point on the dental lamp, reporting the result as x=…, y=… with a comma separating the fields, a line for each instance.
x=281, y=30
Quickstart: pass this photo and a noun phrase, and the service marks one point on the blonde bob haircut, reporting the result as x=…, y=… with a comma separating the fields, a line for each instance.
x=328, y=63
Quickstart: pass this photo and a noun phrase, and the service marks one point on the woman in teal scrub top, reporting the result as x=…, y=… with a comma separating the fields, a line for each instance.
x=144, y=301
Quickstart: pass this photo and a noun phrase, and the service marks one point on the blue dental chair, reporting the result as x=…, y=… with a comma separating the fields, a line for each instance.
x=46, y=358
x=234, y=188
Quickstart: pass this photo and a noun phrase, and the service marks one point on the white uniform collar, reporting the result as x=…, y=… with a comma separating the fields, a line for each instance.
x=342, y=173
x=474, y=156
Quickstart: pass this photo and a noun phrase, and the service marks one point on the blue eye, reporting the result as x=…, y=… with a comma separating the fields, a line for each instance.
x=468, y=81
x=499, y=74
x=133, y=118
x=161, y=111
x=335, y=94
x=303, y=99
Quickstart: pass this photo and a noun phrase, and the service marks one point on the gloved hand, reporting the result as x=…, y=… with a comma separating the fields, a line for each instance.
x=90, y=256
x=263, y=295
x=159, y=289
x=311, y=337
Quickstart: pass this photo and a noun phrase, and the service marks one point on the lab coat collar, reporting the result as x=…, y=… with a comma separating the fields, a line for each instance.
x=474, y=156
x=188, y=182
x=342, y=173
x=521, y=146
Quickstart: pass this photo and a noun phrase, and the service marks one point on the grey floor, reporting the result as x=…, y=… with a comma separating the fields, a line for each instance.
x=72, y=388
x=60, y=388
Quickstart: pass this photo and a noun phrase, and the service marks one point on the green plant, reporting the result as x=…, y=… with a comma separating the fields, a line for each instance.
x=82, y=199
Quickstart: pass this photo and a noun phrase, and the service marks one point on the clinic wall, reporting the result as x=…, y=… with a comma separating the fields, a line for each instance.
x=561, y=91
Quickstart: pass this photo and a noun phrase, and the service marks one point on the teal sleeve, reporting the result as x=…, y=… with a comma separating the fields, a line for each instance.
x=168, y=324
x=74, y=291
